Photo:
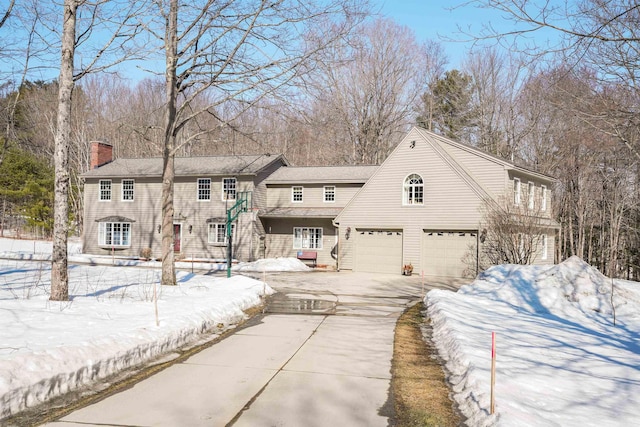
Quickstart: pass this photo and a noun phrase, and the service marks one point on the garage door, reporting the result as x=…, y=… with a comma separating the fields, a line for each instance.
x=379, y=251
x=449, y=253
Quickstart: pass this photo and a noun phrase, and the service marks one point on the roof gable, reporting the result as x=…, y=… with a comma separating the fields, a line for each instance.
x=457, y=179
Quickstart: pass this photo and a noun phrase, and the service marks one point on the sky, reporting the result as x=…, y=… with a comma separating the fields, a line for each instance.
x=438, y=20
x=441, y=21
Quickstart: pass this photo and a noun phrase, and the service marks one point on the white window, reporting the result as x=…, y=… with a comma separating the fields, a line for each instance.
x=329, y=194
x=307, y=238
x=218, y=233
x=413, y=190
x=516, y=191
x=204, y=189
x=127, y=190
x=543, y=198
x=545, y=247
x=296, y=194
x=105, y=190
x=228, y=189
x=114, y=234
x=532, y=193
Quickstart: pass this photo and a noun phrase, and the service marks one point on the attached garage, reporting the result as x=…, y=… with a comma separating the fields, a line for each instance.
x=449, y=253
x=378, y=251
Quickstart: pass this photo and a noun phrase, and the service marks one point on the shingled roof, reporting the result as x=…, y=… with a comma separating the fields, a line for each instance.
x=321, y=174
x=186, y=166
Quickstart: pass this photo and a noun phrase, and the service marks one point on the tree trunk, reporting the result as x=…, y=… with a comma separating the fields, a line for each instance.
x=168, y=170
x=59, y=273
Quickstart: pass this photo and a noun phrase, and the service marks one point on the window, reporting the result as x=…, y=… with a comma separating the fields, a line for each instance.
x=307, y=238
x=516, y=191
x=413, y=190
x=228, y=189
x=532, y=193
x=114, y=234
x=545, y=248
x=204, y=188
x=105, y=190
x=329, y=194
x=127, y=190
x=296, y=194
x=218, y=233
x=543, y=198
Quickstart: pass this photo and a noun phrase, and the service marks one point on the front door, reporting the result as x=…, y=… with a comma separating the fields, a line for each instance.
x=177, y=232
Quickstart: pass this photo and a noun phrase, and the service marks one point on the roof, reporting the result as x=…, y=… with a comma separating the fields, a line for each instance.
x=505, y=163
x=301, y=212
x=186, y=166
x=321, y=174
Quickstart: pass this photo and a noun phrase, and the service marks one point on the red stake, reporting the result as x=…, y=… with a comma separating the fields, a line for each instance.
x=493, y=372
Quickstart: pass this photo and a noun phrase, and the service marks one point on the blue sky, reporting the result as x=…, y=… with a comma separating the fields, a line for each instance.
x=439, y=20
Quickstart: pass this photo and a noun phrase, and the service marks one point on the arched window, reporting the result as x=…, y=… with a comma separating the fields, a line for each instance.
x=413, y=190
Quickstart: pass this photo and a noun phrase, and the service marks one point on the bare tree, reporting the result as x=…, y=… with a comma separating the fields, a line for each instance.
x=365, y=94
x=514, y=233
x=496, y=82
x=121, y=33
x=239, y=51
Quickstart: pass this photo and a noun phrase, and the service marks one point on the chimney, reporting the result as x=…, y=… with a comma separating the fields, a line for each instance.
x=101, y=154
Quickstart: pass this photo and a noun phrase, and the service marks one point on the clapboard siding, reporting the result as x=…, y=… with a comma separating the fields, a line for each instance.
x=188, y=212
x=261, y=191
x=144, y=210
x=280, y=237
x=279, y=195
x=450, y=201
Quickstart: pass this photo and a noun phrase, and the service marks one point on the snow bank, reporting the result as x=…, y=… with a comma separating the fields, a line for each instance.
x=109, y=325
x=561, y=361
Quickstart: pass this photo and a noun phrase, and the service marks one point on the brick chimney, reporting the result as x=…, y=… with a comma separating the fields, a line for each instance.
x=101, y=154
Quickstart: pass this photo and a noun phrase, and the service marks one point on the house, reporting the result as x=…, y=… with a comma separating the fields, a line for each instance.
x=421, y=206
x=301, y=205
x=122, y=212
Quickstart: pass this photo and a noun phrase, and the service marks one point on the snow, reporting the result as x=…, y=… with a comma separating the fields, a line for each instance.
x=49, y=348
x=560, y=361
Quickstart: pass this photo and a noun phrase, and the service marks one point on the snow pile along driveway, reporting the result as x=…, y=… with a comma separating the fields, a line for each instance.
x=560, y=359
x=49, y=348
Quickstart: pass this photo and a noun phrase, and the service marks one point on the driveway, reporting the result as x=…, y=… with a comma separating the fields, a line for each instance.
x=320, y=355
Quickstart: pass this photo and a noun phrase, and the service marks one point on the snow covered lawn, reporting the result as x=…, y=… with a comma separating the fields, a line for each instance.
x=49, y=348
x=560, y=359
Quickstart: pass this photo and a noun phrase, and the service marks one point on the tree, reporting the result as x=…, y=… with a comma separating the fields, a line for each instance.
x=514, y=233
x=447, y=107
x=120, y=35
x=601, y=34
x=236, y=53
x=59, y=273
x=26, y=184
x=496, y=81
x=363, y=95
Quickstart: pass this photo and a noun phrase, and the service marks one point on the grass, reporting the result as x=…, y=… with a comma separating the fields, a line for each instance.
x=421, y=393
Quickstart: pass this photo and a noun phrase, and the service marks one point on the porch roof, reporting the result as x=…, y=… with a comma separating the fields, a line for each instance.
x=329, y=213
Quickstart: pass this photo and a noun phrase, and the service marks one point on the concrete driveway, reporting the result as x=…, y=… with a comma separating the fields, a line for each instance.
x=319, y=356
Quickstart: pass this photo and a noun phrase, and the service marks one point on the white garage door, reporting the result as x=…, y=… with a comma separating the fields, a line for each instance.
x=449, y=253
x=378, y=251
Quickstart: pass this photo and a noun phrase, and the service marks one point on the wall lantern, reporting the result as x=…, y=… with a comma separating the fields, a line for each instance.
x=190, y=229
x=159, y=228
x=347, y=233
